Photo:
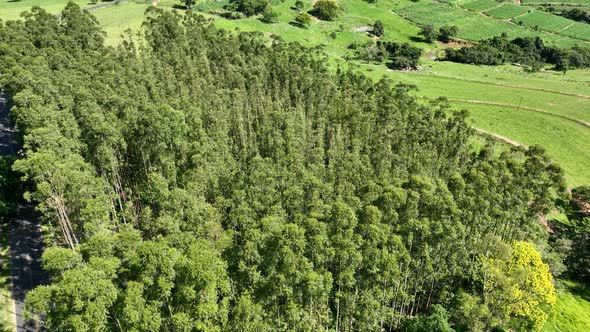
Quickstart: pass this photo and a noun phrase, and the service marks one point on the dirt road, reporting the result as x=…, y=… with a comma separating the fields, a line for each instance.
x=26, y=245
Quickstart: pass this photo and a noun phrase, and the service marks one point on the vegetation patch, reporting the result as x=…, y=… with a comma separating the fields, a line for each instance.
x=480, y=5
x=473, y=26
x=506, y=11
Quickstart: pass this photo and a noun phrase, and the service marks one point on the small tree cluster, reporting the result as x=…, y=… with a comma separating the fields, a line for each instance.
x=444, y=34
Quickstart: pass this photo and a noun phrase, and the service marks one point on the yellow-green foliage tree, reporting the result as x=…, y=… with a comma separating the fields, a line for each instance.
x=519, y=289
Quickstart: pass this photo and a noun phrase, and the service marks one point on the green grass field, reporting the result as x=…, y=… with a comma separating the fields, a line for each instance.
x=544, y=21
x=480, y=5
x=11, y=9
x=507, y=10
x=571, y=313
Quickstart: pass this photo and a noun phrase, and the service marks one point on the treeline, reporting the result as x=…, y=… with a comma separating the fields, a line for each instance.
x=206, y=180
x=526, y=51
x=575, y=14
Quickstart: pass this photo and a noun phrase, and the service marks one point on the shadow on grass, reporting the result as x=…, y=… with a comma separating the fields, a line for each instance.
x=298, y=25
x=579, y=289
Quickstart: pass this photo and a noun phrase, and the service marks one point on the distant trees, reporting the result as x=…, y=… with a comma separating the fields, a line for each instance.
x=398, y=55
x=326, y=10
x=251, y=7
x=576, y=15
x=428, y=33
x=447, y=33
x=444, y=34
x=524, y=50
x=378, y=28
x=188, y=3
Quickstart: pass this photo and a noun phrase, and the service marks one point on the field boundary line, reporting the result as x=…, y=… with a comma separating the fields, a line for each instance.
x=526, y=108
x=498, y=137
x=569, y=25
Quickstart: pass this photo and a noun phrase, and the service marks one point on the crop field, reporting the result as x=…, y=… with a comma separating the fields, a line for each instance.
x=506, y=11
x=577, y=30
x=473, y=26
x=574, y=2
x=480, y=5
x=544, y=21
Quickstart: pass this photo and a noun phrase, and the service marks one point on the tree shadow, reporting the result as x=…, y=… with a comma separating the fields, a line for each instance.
x=417, y=39
x=297, y=25
x=579, y=289
x=179, y=7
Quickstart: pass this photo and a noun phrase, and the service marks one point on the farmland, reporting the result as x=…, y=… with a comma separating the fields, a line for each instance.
x=555, y=24
x=479, y=5
x=472, y=26
x=507, y=10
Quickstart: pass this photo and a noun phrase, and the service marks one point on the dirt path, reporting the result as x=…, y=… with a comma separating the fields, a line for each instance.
x=26, y=244
x=498, y=137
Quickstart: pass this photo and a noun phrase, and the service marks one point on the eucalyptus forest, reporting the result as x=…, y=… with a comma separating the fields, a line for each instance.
x=200, y=179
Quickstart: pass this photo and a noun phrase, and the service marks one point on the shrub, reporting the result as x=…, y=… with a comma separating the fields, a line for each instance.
x=269, y=15
x=378, y=28
x=326, y=10
x=303, y=18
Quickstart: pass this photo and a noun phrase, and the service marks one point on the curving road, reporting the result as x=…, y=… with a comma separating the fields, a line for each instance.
x=26, y=245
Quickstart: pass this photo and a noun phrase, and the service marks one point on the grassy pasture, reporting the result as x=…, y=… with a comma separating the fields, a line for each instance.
x=577, y=30
x=11, y=9
x=506, y=11
x=473, y=26
x=571, y=313
x=480, y=5
x=556, y=24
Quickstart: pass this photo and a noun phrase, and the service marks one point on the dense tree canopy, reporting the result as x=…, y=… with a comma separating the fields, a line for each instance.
x=205, y=180
x=524, y=50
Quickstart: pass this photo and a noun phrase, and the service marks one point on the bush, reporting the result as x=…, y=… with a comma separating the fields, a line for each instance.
x=326, y=10
x=269, y=15
x=303, y=19
x=299, y=5
x=252, y=7
x=428, y=33
x=447, y=33
x=378, y=28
